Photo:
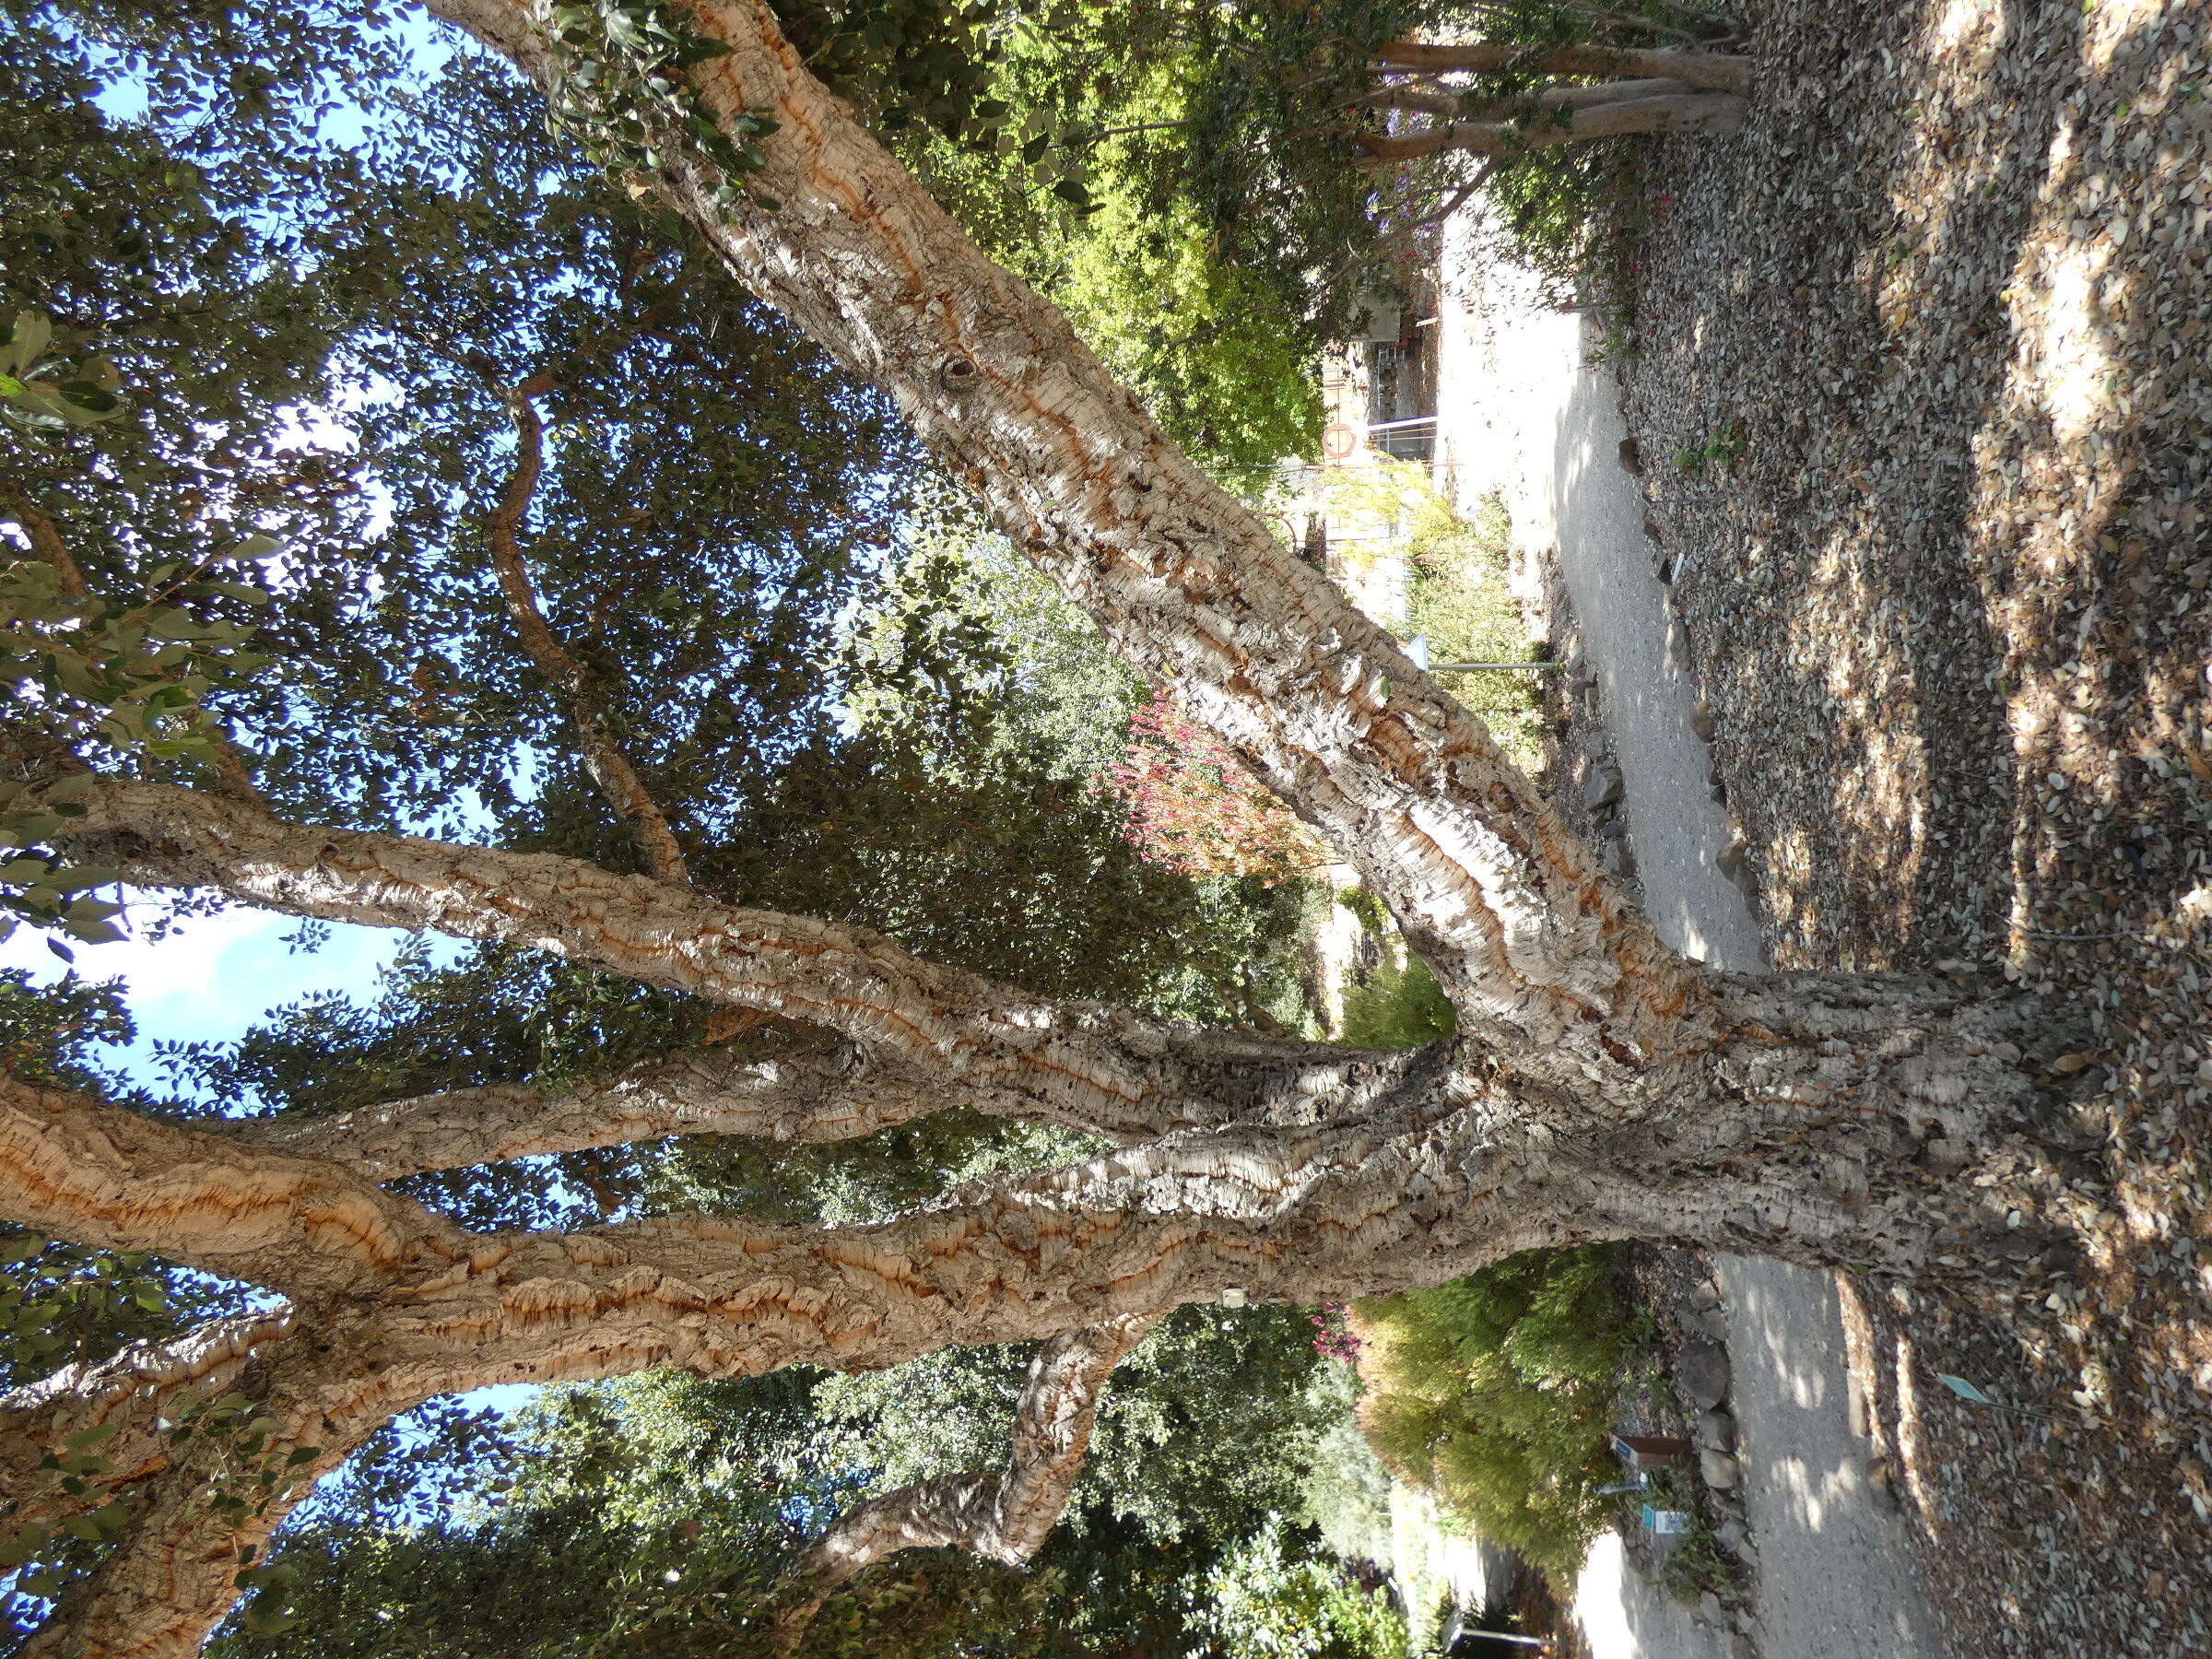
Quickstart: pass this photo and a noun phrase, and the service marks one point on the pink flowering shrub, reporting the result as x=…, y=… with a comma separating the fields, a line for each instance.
x=1194, y=809
x=1333, y=1337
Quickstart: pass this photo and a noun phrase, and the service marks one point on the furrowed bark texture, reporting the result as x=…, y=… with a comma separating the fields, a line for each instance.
x=1103, y=1069
x=1803, y=1145
x=804, y=1092
x=1539, y=952
x=1004, y=1514
x=80, y=1168
x=1601, y=1086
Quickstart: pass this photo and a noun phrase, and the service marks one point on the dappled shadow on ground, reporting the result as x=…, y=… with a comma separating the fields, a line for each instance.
x=1949, y=290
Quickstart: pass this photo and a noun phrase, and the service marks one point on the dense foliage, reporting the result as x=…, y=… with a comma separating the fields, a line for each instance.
x=1495, y=1392
x=649, y=1516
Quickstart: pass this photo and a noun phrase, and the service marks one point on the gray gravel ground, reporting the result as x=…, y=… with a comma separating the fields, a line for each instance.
x=1947, y=297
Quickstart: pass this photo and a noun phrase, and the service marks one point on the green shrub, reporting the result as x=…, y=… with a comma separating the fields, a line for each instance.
x=1460, y=598
x=1398, y=1008
x=1495, y=1392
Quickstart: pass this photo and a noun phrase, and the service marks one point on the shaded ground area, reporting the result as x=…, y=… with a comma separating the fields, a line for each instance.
x=1831, y=1575
x=1926, y=423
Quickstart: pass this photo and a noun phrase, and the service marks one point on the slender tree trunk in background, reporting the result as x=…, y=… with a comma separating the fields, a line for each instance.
x=1680, y=113
x=1711, y=70
x=1601, y=1086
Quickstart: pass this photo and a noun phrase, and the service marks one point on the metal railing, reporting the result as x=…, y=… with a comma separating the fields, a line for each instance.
x=1413, y=439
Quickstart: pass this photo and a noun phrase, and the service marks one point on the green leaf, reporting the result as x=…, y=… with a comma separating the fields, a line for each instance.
x=1963, y=1389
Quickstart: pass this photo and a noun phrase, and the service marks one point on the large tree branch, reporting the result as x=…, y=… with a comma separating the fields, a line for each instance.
x=1713, y=70
x=1003, y=1515
x=117, y=1404
x=1104, y=1069
x=214, y=1467
x=1448, y=1169
x=80, y=1168
x=1540, y=953
x=804, y=1091
x=603, y=757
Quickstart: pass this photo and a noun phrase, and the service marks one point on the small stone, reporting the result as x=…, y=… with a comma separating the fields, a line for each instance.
x=1708, y=1608
x=1602, y=788
x=1703, y=1374
x=1731, y=1536
x=1717, y=1429
x=1721, y=1470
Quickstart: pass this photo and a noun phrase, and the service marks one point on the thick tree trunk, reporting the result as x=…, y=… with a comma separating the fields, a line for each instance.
x=1806, y=1135
x=1539, y=952
x=1447, y=106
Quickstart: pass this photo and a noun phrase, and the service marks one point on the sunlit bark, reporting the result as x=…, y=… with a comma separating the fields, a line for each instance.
x=1538, y=951
x=1104, y=1069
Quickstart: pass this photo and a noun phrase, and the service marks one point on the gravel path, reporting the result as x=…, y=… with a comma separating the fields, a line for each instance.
x=1835, y=1578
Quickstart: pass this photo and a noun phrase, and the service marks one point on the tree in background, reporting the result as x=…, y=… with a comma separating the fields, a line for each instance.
x=1192, y=808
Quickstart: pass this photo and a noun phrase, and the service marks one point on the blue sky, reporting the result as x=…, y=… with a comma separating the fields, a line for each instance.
x=214, y=976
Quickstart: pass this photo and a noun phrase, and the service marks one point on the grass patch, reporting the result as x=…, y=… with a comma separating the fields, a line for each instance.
x=1495, y=1393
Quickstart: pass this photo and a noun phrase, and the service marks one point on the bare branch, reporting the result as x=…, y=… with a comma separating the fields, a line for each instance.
x=1005, y=1514
x=579, y=687
x=1091, y=1066
x=804, y=1091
